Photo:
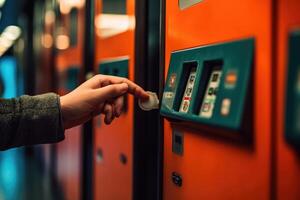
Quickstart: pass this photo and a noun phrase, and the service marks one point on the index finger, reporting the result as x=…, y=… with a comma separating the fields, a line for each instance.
x=133, y=88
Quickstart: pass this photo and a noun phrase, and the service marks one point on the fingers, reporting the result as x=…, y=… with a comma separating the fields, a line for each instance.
x=108, y=111
x=111, y=91
x=133, y=88
x=118, y=106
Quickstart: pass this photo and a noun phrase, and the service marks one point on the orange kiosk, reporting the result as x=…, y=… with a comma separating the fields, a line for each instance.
x=114, y=47
x=207, y=154
x=287, y=96
x=69, y=59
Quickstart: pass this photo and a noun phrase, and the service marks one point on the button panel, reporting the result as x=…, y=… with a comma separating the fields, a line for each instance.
x=210, y=85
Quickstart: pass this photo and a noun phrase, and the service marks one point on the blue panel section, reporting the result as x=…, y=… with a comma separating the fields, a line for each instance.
x=8, y=76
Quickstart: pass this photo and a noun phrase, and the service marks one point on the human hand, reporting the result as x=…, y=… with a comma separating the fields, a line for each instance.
x=99, y=95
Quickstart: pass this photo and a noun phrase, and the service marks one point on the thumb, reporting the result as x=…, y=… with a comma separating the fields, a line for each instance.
x=112, y=91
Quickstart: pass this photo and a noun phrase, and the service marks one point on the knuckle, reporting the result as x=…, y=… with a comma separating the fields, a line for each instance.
x=107, y=108
x=98, y=76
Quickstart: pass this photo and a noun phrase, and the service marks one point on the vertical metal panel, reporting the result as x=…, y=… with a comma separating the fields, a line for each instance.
x=148, y=125
x=87, y=135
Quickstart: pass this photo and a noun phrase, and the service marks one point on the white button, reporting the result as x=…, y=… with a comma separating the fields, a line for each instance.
x=152, y=103
x=225, y=109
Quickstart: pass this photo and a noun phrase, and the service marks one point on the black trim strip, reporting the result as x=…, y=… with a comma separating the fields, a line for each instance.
x=149, y=73
x=87, y=133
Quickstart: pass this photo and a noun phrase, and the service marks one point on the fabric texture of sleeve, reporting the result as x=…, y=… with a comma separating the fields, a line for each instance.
x=30, y=120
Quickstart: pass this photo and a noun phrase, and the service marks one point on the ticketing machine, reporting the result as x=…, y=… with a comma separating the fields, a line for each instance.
x=216, y=100
x=114, y=47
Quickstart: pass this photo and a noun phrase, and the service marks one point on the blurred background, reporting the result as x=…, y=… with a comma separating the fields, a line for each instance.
x=227, y=74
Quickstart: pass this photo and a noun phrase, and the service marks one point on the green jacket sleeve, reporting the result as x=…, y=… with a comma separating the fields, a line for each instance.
x=30, y=120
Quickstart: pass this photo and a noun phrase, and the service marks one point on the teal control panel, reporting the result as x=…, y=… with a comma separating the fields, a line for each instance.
x=72, y=77
x=292, y=109
x=115, y=67
x=209, y=85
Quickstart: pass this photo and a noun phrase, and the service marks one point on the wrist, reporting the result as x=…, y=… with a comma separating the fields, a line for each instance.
x=63, y=112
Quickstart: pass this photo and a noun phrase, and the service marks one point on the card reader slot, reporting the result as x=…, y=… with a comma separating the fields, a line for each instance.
x=208, y=88
x=183, y=100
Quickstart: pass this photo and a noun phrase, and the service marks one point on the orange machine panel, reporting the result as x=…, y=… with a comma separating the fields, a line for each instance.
x=69, y=151
x=214, y=167
x=113, y=143
x=288, y=159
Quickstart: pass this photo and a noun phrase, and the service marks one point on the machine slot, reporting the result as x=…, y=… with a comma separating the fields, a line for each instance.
x=208, y=91
x=186, y=90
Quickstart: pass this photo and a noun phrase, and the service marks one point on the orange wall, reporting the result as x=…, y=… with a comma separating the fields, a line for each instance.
x=214, y=167
x=288, y=161
x=113, y=180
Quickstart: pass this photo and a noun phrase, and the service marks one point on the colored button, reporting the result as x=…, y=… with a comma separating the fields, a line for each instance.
x=230, y=79
x=225, y=108
x=187, y=98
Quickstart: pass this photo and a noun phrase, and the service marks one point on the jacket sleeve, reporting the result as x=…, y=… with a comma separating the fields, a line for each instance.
x=30, y=120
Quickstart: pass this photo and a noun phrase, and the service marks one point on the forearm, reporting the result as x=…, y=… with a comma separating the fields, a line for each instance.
x=30, y=120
